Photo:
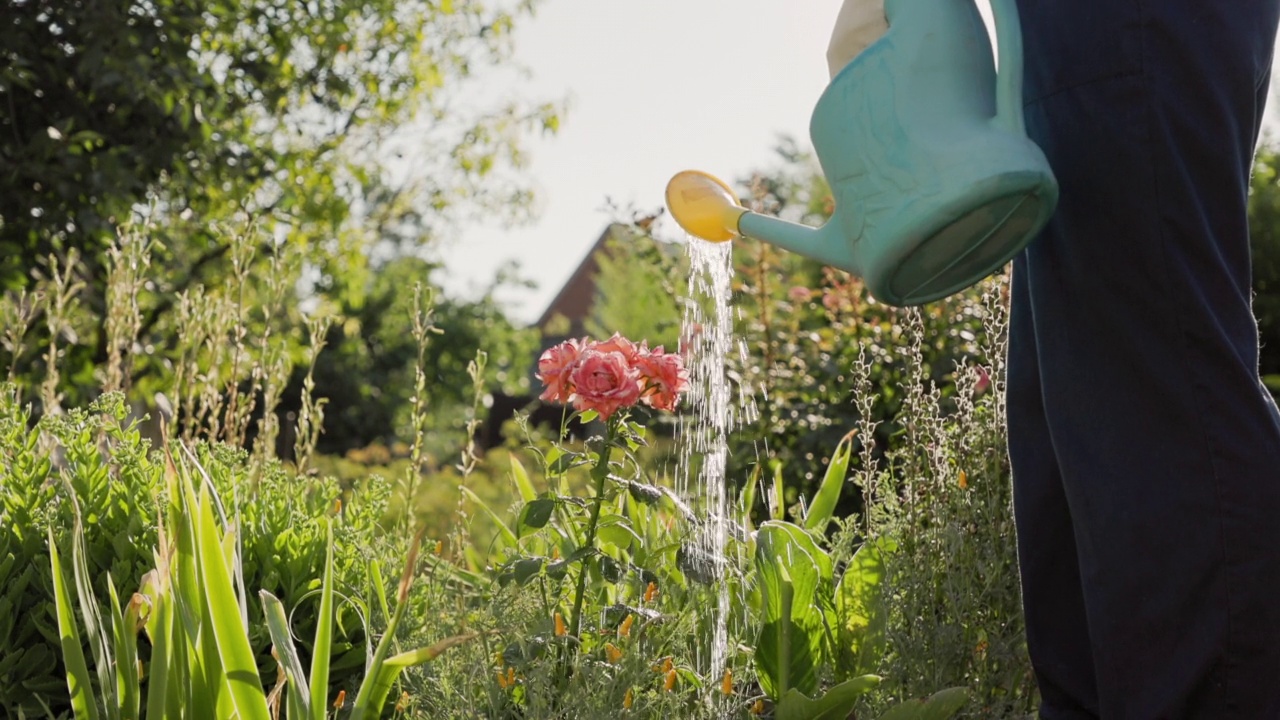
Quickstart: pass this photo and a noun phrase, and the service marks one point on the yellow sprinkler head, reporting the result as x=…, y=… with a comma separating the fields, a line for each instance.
x=704, y=206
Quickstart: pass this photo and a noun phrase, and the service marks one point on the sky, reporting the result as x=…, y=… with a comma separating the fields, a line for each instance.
x=654, y=87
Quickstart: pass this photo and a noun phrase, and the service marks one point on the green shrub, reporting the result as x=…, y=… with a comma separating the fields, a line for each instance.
x=100, y=455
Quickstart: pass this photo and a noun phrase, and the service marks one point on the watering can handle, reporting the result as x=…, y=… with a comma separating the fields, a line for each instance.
x=1009, y=80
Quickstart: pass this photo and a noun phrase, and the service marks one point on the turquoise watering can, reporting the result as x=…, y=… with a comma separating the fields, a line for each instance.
x=936, y=184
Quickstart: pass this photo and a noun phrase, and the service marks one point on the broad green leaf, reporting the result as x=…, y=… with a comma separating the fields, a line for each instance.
x=835, y=704
x=505, y=531
x=858, y=618
x=617, y=530
x=322, y=648
x=287, y=655
x=790, y=645
x=78, y=683
x=240, y=671
x=941, y=705
x=535, y=515
x=824, y=501
x=522, y=570
x=521, y=477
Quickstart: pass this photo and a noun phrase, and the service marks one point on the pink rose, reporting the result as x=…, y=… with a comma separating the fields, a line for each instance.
x=619, y=344
x=800, y=294
x=604, y=382
x=554, y=368
x=663, y=378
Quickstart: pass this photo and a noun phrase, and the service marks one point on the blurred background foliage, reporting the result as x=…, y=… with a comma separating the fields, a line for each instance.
x=335, y=128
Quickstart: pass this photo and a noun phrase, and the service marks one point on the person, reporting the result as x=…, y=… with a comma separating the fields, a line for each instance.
x=1145, y=450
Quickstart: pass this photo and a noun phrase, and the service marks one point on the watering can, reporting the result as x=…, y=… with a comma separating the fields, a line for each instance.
x=936, y=184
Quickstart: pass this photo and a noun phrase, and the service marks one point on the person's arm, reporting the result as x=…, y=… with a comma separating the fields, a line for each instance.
x=860, y=23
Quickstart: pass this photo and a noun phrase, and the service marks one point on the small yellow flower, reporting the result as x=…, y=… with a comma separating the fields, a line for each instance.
x=726, y=685
x=511, y=676
x=555, y=552
x=342, y=700
x=561, y=630
x=502, y=680
x=627, y=699
x=612, y=652
x=650, y=592
x=670, y=680
x=758, y=708
x=625, y=629
x=439, y=547
x=403, y=703
x=963, y=480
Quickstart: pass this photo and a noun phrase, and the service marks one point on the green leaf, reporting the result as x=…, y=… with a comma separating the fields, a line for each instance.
x=505, y=531
x=124, y=633
x=535, y=515
x=159, y=632
x=239, y=670
x=393, y=666
x=522, y=570
x=942, y=705
x=78, y=682
x=617, y=530
x=824, y=501
x=523, y=485
x=287, y=652
x=777, y=495
x=588, y=416
x=322, y=649
x=790, y=646
x=858, y=617
x=835, y=704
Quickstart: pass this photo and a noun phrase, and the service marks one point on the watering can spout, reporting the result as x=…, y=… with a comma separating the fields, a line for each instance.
x=708, y=209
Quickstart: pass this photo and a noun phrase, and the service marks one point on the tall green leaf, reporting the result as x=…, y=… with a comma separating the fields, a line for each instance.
x=824, y=501
x=99, y=640
x=505, y=531
x=159, y=628
x=124, y=626
x=240, y=672
x=324, y=635
x=521, y=477
x=78, y=682
x=391, y=668
x=287, y=656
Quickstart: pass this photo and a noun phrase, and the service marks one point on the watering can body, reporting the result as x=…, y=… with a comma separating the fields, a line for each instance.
x=936, y=185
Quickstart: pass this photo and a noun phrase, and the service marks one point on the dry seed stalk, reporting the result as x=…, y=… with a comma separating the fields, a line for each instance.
x=127, y=261
x=311, y=414
x=17, y=310
x=59, y=294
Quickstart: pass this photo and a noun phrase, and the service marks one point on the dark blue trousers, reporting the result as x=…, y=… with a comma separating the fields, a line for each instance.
x=1145, y=451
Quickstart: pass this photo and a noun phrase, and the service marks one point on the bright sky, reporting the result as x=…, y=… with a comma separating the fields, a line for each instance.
x=656, y=87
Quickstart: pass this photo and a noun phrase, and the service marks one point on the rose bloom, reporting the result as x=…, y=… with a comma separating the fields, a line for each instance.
x=554, y=368
x=604, y=382
x=664, y=377
x=619, y=344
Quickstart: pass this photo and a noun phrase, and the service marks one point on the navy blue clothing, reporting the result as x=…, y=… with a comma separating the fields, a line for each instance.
x=1145, y=450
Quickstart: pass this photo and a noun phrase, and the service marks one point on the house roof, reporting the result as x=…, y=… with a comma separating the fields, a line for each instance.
x=577, y=296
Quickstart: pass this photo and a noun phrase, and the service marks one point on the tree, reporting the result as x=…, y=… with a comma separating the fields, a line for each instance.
x=332, y=125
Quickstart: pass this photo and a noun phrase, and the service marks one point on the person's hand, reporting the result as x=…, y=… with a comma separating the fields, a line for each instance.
x=860, y=23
